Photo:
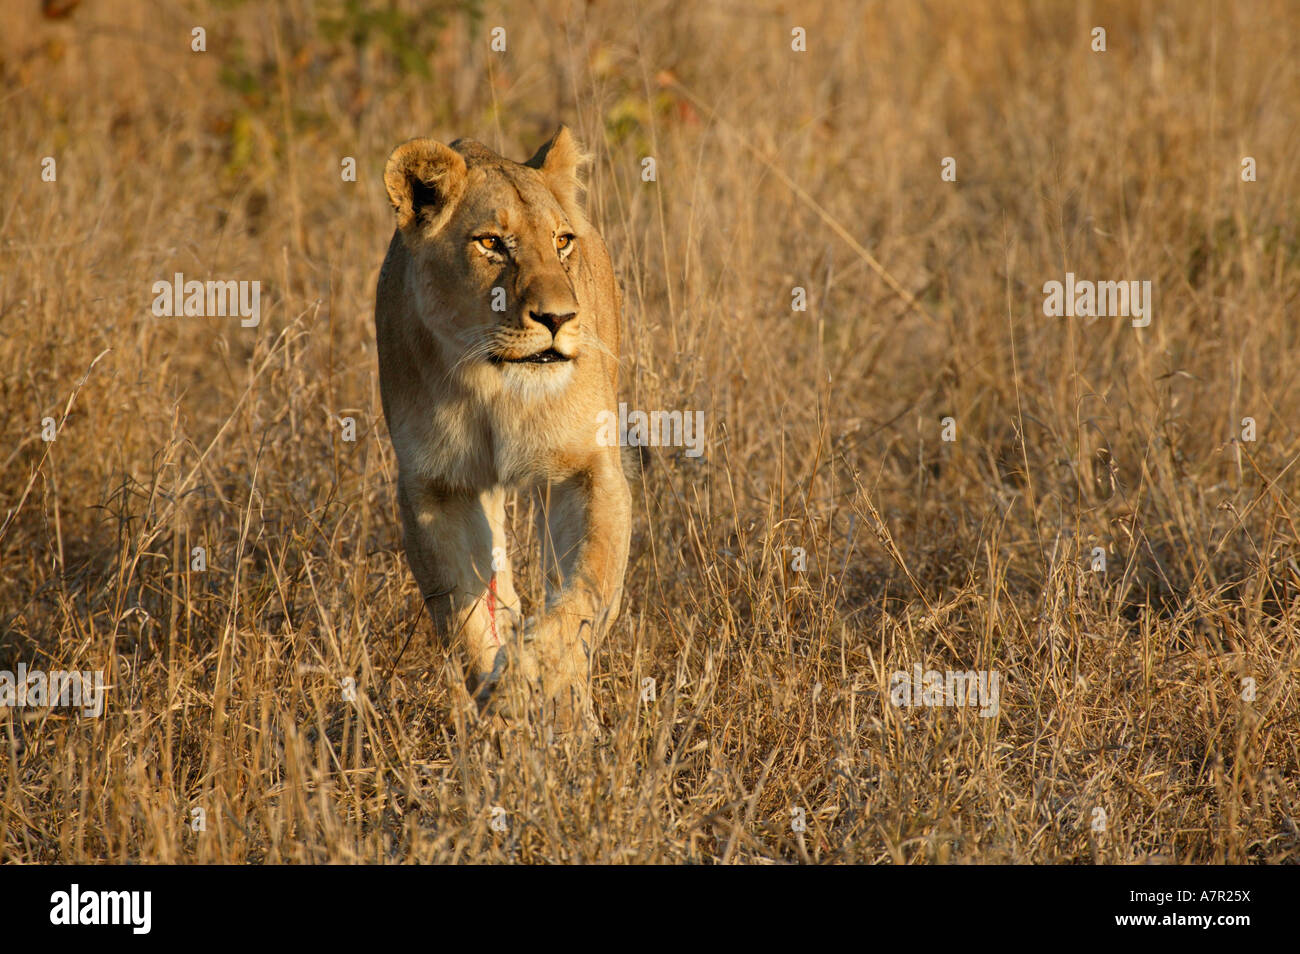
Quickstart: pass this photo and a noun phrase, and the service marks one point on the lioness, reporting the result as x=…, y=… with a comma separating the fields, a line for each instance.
x=497, y=320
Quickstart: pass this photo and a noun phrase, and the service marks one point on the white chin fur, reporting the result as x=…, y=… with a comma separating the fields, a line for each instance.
x=534, y=381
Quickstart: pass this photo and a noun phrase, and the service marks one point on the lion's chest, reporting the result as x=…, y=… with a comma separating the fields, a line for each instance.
x=485, y=447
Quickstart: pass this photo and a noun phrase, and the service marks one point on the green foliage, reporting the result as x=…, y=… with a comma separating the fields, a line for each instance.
x=410, y=38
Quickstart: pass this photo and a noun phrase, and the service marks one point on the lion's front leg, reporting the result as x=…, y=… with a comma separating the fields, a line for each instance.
x=585, y=526
x=456, y=547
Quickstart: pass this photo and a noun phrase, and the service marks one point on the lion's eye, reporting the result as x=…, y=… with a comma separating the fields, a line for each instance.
x=562, y=241
x=490, y=243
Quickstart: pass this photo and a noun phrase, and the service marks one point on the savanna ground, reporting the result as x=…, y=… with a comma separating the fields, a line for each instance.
x=1126, y=690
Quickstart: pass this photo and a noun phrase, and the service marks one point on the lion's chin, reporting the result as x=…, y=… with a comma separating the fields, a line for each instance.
x=534, y=380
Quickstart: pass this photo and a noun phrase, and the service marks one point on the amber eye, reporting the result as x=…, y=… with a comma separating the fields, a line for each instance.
x=562, y=241
x=490, y=243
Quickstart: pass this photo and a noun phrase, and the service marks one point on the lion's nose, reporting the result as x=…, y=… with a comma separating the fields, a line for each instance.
x=551, y=320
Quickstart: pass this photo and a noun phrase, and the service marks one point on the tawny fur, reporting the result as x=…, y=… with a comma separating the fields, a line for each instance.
x=469, y=427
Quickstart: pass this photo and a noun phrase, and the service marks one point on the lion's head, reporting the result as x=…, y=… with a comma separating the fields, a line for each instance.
x=495, y=246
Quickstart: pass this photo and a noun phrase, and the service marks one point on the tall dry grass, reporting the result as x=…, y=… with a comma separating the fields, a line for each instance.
x=1123, y=690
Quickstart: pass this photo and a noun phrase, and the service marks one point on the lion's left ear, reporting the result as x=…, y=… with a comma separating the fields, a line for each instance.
x=559, y=161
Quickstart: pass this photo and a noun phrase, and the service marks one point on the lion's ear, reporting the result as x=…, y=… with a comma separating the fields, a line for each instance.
x=559, y=161
x=424, y=180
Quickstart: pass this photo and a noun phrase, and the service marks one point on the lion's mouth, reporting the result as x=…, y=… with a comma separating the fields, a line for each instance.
x=549, y=356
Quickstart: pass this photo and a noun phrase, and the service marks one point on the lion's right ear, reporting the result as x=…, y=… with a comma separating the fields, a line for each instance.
x=559, y=161
x=424, y=180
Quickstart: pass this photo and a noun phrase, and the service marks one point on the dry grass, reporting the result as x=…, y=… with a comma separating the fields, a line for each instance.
x=1121, y=690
